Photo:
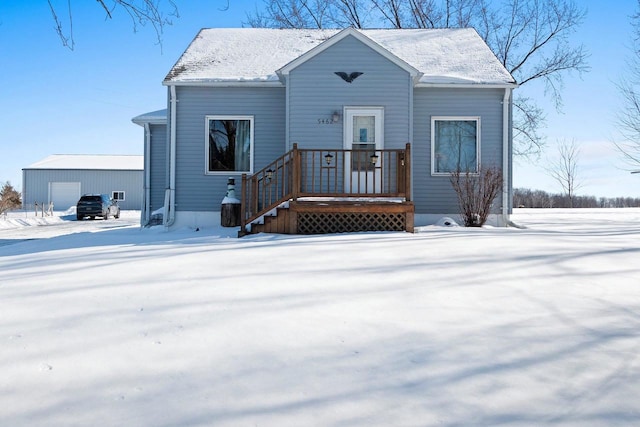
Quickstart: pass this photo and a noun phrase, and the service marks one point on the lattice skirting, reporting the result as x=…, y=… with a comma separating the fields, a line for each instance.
x=346, y=222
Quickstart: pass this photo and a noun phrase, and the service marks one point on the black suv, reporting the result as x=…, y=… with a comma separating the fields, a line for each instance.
x=93, y=205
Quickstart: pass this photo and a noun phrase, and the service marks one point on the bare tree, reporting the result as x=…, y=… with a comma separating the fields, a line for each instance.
x=628, y=117
x=141, y=13
x=564, y=169
x=476, y=193
x=293, y=14
x=531, y=38
x=349, y=13
x=9, y=198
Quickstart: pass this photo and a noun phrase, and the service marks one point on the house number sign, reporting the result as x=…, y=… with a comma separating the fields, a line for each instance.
x=328, y=121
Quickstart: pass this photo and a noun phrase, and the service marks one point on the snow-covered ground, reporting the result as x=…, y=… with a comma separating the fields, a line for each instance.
x=103, y=323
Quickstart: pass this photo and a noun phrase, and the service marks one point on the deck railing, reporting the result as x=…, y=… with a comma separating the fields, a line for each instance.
x=334, y=173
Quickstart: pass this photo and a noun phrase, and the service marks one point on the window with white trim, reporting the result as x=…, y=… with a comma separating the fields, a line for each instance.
x=455, y=144
x=229, y=144
x=117, y=196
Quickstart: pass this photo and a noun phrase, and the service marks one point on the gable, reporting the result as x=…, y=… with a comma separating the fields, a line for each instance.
x=351, y=34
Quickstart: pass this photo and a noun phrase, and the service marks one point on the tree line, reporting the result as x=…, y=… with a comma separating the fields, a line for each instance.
x=527, y=198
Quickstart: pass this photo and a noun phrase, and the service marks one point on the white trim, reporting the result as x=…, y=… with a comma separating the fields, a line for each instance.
x=284, y=71
x=372, y=178
x=349, y=111
x=287, y=122
x=468, y=85
x=118, y=191
x=230, y=83
x=432, y=219
x=208, y=118
x=505, y=155
x=280, y=84
x=145, y=211
x=170, y=193
x=410, y=135
x=199, y=219
x=433, y=140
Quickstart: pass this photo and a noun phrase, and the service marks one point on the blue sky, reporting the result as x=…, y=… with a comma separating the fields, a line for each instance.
x=57, y=101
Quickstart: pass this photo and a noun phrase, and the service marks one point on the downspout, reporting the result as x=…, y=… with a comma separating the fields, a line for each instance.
x=170, y=194
x=413, y=80
x=146, y=215
x=287, y=143
x=505, y=156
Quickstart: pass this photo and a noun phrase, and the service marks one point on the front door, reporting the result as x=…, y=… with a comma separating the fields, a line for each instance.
x=363, y=133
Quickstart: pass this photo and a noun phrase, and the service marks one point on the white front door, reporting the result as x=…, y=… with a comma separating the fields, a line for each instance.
x=363, y=131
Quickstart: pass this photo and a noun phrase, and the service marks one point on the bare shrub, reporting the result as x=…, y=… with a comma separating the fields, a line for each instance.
x=476, y=193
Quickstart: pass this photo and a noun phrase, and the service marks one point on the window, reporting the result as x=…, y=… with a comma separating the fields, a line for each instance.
x=118, y=196
x=229, y=144
x=364, y=138
x=455, y=143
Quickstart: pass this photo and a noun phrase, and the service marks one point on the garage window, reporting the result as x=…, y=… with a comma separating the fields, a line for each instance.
x=118, y=196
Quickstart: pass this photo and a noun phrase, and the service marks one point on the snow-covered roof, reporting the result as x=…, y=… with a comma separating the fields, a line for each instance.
x=154, y=117
x=90, y=162
x=443, y=56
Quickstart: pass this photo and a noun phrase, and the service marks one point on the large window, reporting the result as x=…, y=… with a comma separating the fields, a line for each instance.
x=229, y=144
x=455, y=144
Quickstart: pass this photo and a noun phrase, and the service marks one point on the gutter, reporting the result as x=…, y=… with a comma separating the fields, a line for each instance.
x=466, y=85
x=170, y=193
x=505, y=155
x=227, y=83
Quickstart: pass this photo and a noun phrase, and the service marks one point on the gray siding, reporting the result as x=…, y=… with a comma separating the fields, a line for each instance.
x=315, y=92
x=36, y=184
x=196, y=191
x=158, y=166
x=434, y=194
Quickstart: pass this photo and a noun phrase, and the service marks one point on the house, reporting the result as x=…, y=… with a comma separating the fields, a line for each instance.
x=62, y=178
x=332, y=130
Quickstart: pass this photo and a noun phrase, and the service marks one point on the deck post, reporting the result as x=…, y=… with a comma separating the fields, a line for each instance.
x=254, y=194
x=243, y=205
x=407, y=172
x=295, y=187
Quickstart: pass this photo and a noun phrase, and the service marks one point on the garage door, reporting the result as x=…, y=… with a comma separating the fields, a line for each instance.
x=64, y=195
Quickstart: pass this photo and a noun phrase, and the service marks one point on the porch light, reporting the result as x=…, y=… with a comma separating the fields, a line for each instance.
x=269, y=174
x=374, y=158
x=335, y=117
x=328, y=158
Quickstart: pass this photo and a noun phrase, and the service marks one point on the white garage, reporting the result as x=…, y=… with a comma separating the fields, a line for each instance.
x=62, y=178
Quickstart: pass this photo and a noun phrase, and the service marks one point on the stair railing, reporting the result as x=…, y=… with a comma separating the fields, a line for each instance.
x=266, y=189
x=325, y=173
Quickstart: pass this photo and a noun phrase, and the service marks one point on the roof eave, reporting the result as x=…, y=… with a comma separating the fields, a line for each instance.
x=225, y=83
x=466, y=85
x=142, y=122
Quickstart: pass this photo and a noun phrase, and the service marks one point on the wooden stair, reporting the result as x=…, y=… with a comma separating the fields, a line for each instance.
x=277, y=222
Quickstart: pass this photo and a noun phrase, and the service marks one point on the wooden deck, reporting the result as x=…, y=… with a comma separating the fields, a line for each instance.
x=309, y=191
